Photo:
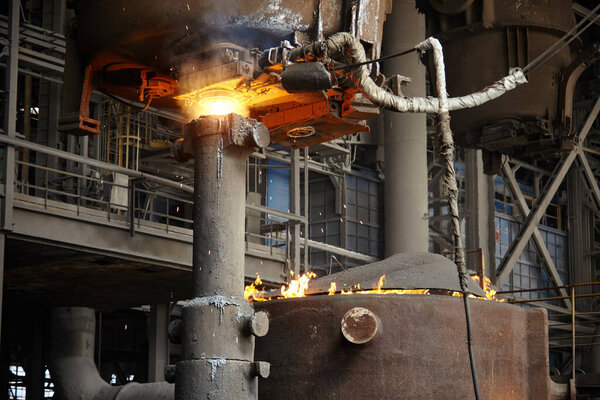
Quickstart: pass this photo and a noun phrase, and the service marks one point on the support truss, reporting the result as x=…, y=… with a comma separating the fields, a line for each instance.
x=535, y=214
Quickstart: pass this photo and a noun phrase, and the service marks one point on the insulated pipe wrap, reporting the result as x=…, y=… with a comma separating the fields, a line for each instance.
x=346, y=48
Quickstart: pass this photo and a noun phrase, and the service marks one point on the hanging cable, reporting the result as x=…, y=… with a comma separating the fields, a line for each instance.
x=568, y=37
x=402, y=53
x=447, y=151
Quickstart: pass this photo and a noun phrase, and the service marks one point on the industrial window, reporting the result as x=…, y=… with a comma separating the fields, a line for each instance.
x=529, y=272
x=16, y=383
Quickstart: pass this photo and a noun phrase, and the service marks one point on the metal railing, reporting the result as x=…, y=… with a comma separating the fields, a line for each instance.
x=585, y=318
x=84, y=188
x=91, y=195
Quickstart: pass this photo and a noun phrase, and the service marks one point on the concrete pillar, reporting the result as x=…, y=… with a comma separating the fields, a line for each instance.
x=479, y=213
x=158, y=342
x=406, y=208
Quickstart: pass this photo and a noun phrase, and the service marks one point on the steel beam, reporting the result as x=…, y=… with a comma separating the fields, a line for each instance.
x=530, y=223
x=281, y=214
x=10, y=127
x=583, y=11
x=2, y=253
x=158, y=342
x=523, y=208
x=339, y=251
x=533, y=218
x=10, y=112
x=479, y=212
x=295, y=209
x=589, y=177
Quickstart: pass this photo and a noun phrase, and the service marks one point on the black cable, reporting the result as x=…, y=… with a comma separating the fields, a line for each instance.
x=563, y=41
x=470, y=345
x=402, y=53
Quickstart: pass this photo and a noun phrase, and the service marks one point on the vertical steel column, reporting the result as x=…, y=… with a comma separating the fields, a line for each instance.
x=218, y=324
x=306, y=206
x=10, y=128
x=572, y=385
x=158, y=343
x=479, y=212
x=405, y=202
x=36, y=367
x=10, y=113
x=295, y=209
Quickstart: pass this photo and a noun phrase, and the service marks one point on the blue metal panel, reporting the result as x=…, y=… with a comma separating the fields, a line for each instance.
x=278, y=186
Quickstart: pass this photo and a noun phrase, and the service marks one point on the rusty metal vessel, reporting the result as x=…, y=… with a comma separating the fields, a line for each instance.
x=403, y=346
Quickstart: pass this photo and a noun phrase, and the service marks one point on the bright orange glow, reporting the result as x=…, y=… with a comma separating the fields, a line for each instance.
x=214, y=101
x=217, y=105
x=251, y=293
x=297, y=288
x=332, y=288
x=490, y=293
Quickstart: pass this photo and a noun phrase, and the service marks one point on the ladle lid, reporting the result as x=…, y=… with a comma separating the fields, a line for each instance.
x=402, y=271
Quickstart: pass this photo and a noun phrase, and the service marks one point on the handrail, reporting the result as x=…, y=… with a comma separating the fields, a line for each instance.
x=138, y=213
x=573, y=314
x=94, y=163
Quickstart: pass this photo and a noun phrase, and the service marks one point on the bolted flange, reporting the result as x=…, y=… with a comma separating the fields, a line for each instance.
x=233, y=128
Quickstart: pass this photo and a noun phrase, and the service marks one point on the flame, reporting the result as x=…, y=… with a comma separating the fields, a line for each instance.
x=251, y=293
x=298, y=286
x=490, y=293
x=331, y=291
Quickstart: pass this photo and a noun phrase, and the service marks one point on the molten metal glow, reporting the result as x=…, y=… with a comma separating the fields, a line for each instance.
x=214, y=101
x=218, y=106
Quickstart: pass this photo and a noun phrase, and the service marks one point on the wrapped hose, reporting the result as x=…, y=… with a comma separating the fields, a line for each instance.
x=344, y=47
x=447, y=151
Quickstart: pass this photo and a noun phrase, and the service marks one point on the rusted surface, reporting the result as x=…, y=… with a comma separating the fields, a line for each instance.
x=420, y=352
x=168, y=28
x=359, y=325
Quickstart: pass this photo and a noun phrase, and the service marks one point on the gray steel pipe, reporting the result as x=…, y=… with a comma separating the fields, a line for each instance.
x=218, y=325
x=72, y=367
x=219, y=212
